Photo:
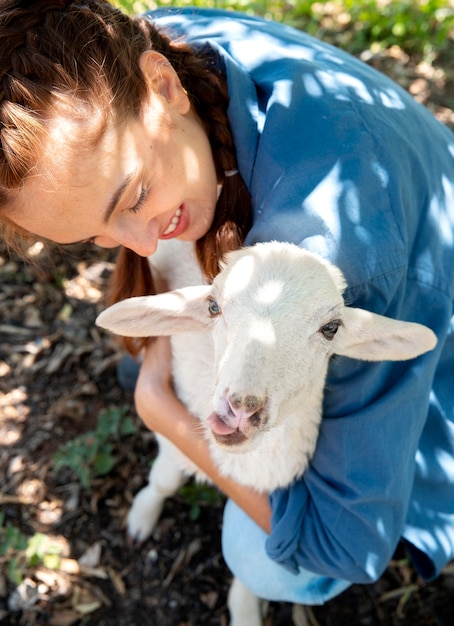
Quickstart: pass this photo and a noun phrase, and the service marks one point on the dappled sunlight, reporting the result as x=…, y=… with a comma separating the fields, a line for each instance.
x=342, y=85
x=269, y=292
x=5, y=369
x=13, y=413
x=370, y=565
x=327, y=193
x=446, y=460
x=250, y=42
x=332, y=81
x=391, y=99
x=57, y=371
x=312, y=86
x=239, y=278
x=283, y=95
x=442, y=219
x=261, y=331
x=246, y=42
x=88, y=283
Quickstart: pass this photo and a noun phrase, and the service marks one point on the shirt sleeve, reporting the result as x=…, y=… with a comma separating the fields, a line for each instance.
x=345, y=516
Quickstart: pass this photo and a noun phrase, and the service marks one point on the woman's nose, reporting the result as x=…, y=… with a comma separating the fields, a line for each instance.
x=140, y=241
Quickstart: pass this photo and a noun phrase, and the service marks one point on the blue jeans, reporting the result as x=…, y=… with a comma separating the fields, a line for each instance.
x=243, y=547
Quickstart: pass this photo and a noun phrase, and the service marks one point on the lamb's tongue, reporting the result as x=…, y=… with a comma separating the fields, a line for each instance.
x=218, y=426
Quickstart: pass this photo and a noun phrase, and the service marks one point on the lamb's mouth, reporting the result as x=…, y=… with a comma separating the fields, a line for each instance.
x=234, y=439
x=223, y=433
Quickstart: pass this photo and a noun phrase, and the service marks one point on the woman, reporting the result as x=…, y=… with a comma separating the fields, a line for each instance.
x=223, y=129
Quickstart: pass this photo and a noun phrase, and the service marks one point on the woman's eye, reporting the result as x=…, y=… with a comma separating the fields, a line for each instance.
x=138, y=205
x=213, y=308
x=330, y=329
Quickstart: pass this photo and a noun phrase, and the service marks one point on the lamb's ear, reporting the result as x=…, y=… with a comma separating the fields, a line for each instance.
x=164, y=314
x=371, y=337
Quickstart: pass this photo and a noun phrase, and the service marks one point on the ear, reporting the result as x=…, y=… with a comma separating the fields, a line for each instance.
x=164, y=314
x=164, y=80
x=371, y=337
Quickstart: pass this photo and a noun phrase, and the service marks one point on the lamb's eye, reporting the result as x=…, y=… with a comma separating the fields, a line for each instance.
x=213, y=308
x=330, y=329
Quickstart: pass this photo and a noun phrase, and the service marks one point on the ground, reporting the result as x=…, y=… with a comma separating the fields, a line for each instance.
x=57, y=376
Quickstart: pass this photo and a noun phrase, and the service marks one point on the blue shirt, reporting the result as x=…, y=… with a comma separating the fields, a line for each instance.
x=342, y=161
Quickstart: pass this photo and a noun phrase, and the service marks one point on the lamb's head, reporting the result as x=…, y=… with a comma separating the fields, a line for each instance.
x=277, y=309
x=277, y=315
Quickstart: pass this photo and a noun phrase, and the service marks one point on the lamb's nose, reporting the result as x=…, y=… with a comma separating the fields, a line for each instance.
x=245, y=407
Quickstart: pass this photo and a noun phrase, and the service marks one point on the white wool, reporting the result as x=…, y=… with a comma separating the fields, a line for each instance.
x=259, y=366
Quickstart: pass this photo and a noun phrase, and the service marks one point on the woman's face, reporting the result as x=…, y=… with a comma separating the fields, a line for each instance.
x=152, y=178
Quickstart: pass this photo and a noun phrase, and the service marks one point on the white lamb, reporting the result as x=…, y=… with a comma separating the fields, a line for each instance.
x=250, y=357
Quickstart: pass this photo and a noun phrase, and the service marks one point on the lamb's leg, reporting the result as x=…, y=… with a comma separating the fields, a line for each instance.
x=244, y=606
x=164, y=480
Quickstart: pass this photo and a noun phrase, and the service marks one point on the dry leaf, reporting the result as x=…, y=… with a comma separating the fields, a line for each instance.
x=24, y=596
x=59, y=356
x=66, y=617
x=117, y=581
x=69, y=566
x=92, y=556
x=88, y=607
x=95, y=572
x=210, y=598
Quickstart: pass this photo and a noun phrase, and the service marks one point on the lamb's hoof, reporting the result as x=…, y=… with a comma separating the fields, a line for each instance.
x=138, y=530
x=133, y=543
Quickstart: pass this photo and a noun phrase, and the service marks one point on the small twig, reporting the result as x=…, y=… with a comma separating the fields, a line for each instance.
x=398, y=593
x=9, y=499
x=9, y=329
x=182, y=560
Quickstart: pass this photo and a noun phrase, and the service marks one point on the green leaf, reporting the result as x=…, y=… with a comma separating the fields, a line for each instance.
x=103, y=464
x=128, y=426
x=108, y=423
x=84, y=476
x=52, y=561
x=14, y=573
x=36, y=545
x=14, y=538
x=194, y=512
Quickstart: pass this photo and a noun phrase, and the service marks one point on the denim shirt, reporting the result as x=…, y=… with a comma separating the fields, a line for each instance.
x=343, y=162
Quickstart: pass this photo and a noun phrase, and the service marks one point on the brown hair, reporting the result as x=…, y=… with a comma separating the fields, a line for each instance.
x=84, y=55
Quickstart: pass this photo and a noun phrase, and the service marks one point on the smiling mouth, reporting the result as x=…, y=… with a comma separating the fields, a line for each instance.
x=173, y=223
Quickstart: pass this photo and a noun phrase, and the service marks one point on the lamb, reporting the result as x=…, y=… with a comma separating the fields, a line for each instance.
x=250, y=358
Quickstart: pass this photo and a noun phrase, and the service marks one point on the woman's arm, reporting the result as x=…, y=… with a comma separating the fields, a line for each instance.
x=162, y=412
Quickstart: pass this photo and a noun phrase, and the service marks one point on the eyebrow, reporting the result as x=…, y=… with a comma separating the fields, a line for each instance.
x=115, y=198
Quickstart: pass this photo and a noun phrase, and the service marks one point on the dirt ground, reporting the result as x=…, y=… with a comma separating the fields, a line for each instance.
x=57, y=376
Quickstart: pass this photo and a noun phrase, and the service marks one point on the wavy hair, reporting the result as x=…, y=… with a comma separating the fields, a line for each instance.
x=84, y=57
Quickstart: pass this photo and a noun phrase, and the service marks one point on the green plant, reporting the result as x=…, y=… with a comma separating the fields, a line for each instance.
x=19, y=551
x=417, y=26
x=197, y=495
x=12, y=546
x=134, y=6
x=92, y=454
